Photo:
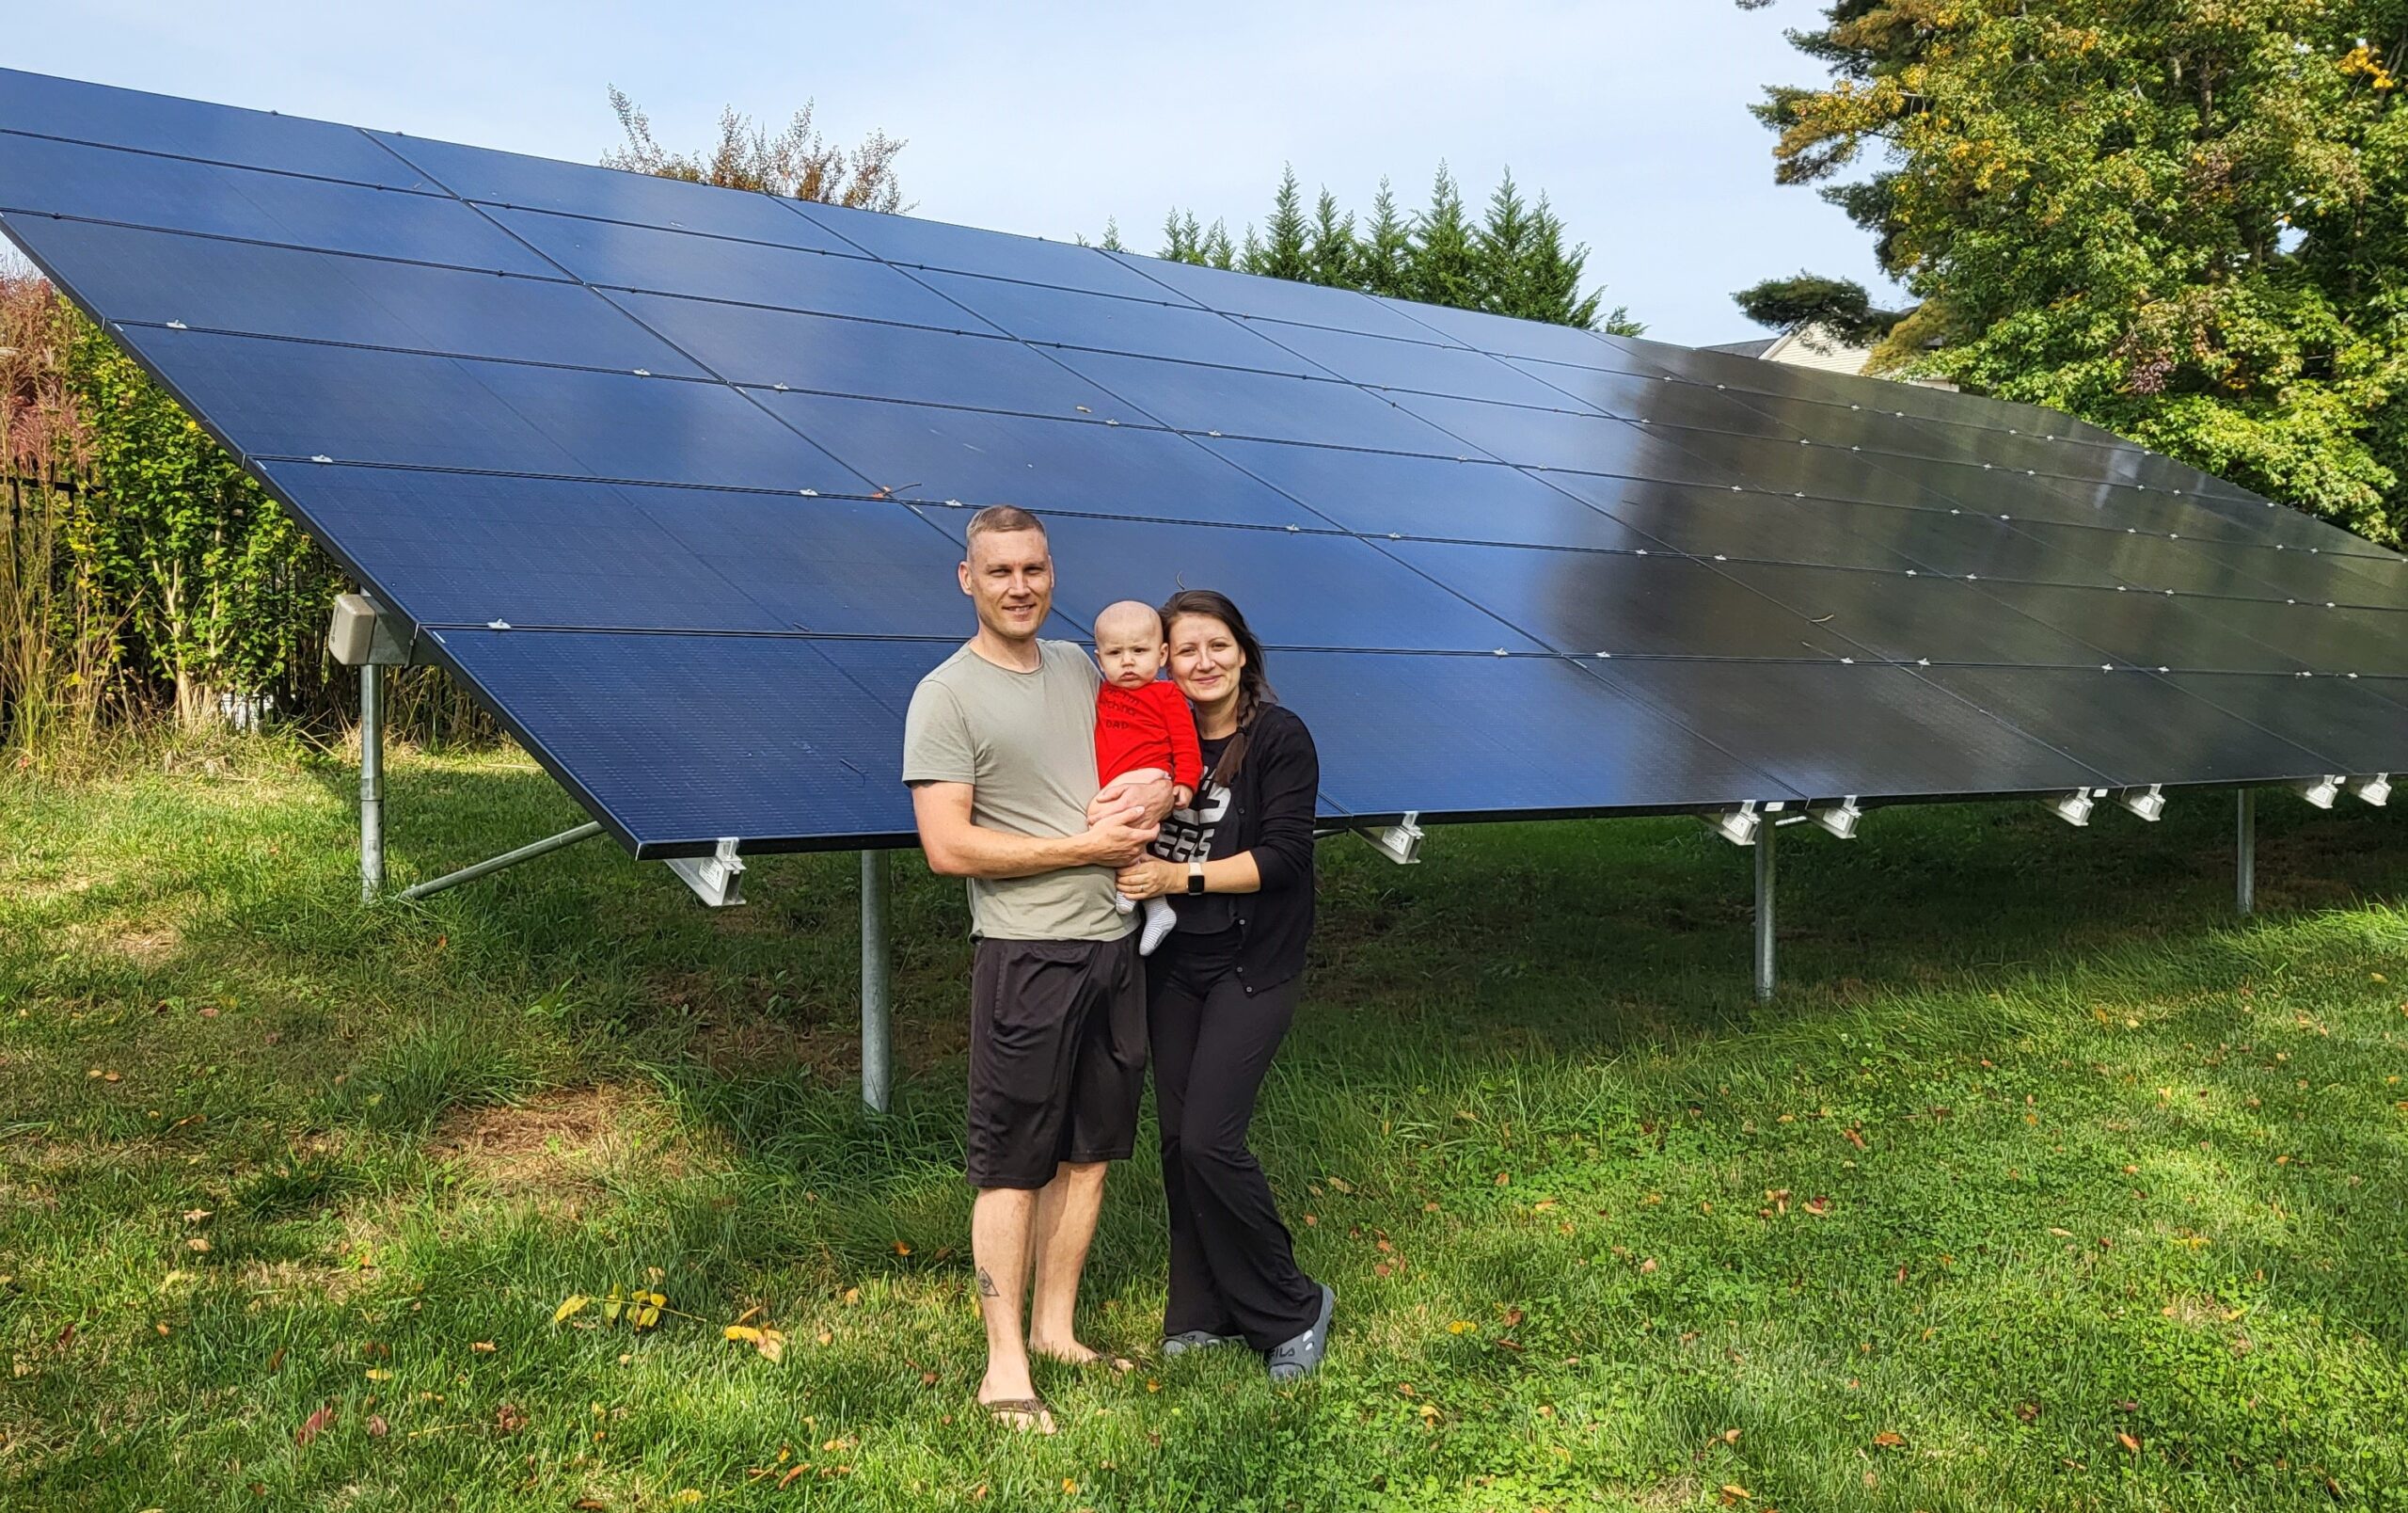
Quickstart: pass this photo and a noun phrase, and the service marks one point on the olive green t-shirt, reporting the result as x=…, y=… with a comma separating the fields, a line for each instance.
x=1025, y=744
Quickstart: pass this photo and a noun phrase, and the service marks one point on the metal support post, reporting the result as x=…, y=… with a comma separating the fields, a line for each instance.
x=1763, y=911
x=2245, y=869
x=877, y=1020
x=372, y=784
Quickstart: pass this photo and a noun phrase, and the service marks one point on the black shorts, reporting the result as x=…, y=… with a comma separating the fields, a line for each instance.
x=1057, y=1057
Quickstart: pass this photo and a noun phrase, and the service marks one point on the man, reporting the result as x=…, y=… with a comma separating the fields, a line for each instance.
x=999, y=750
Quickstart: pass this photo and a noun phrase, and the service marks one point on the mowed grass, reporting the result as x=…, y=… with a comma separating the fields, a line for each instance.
x=2046, y=1183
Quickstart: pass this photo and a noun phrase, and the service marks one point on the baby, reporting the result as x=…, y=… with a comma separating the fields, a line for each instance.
x=1142, y=727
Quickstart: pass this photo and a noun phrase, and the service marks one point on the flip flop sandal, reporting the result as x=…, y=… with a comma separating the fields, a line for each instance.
x=1039, y=1413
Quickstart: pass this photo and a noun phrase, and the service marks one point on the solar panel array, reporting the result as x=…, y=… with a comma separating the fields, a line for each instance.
x=674, y=478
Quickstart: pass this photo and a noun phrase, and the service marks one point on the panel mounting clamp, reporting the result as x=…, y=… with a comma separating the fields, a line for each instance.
x=2148, y=803
x=2321, y=791
x=2374, y=789
x=2073, y=808
x=1401, y=842
x=1840, y=819
x=718, y=879
x=1740, y=825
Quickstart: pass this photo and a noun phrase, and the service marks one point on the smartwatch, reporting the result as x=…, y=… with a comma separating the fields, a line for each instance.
x=1195, y=877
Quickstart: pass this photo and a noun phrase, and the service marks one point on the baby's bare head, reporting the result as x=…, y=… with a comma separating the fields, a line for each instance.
x=1129, y=642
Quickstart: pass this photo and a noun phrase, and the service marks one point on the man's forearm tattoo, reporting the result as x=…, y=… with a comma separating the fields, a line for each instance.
x=987, y=1284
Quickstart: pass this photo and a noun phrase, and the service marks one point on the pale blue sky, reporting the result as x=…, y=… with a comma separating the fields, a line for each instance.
x=1047, y=119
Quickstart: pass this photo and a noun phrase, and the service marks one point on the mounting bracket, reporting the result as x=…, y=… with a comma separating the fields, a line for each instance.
x=2321, y=791
x=2148, y=803
x=1399, y=843
x=2374, y=789
x=1840, y=819
x=2073, y=808
x=1740, y=826
x=718, y=879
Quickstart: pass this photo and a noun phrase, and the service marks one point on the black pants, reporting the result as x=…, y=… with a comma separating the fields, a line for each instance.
x=1232, y=1264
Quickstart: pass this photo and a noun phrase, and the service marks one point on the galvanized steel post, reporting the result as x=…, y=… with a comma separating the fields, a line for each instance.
x=372, y=784
x=1764, y=833
x=877, y=1020
x=2245, y=854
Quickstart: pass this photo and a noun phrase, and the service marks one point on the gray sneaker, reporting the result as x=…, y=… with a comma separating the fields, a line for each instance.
x=1303, y=1353
x=1186, y=1340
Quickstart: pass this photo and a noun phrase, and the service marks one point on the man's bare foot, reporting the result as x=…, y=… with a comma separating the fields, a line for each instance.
x=1072, y=1353
x=1016, y=1406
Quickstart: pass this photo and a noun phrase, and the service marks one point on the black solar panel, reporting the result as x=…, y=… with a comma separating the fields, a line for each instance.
x=675, y=477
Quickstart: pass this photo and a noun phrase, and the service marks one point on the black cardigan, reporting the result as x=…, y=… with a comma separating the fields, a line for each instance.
x=1271, y=814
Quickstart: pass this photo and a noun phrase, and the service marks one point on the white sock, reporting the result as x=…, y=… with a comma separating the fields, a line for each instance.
x=1160, y=918
x=1123, y=902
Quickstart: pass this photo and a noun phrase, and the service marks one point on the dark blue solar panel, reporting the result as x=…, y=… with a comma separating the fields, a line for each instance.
x=1721, y=523
x=170, y=194
x=1854, y=730
x=719, y=268
x=872, y=359
x=1504, y=336
x=1148, y=328
x=1266, y=405
x=2135, y=727
x=539, y=183
x=1380, y=494
x=246, y=287
x=471, y=548
x=1278, y=299
x=2355, y=726
x=1915, y=618
x=1297, y=588
x=924, y=244
x=928, y=452
x=1513, y=735
x=295, y=400
x=1656, y=605
x=162, y=123
x=679, y=740
x=2148, y=629
x=1380, y=362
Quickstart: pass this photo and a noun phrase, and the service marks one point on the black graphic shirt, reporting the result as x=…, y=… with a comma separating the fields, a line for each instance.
x=1187, y=837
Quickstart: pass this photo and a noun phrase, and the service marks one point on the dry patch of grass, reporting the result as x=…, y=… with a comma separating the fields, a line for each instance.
x=562, y=1137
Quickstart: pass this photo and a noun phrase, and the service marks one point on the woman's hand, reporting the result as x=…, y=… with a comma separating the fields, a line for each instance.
x=1151, y=876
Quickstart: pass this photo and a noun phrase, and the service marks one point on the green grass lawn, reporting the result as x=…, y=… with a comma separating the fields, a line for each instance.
x=2046, y=1183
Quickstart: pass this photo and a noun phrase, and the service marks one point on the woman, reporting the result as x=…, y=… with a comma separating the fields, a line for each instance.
x=1238, y=865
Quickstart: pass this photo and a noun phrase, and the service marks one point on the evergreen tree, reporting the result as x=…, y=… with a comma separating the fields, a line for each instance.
x=1333, y=258
x=1384, y=265
x=1112, y=242
x=1513, y=262
x=1444, y=268
x=1505, y=246
x=1216, y=248
x=1284, y=251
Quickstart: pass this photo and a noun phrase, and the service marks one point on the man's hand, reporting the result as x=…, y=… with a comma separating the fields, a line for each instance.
x=1152, y=795
x=1118, y=837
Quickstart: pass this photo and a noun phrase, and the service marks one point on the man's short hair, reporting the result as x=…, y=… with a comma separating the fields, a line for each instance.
x=1002, y=518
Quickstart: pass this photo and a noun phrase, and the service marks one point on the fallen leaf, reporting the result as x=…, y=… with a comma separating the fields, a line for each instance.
x=1648, y=1265
x=377, y=1428
x=1732, y=1493
x=1461, y=1326
x=1888, y=1439
x=2128, y=1441
x=484, y=1347
x=313, y=1425
x=901, y=1249
x=510, y=1418
x=792, y=1473
x=575, y=1302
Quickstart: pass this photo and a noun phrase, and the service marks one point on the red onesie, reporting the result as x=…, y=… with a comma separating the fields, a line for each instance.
x=1146, y=727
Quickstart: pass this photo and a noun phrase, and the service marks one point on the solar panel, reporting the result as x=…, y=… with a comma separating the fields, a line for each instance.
x=674, y=478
